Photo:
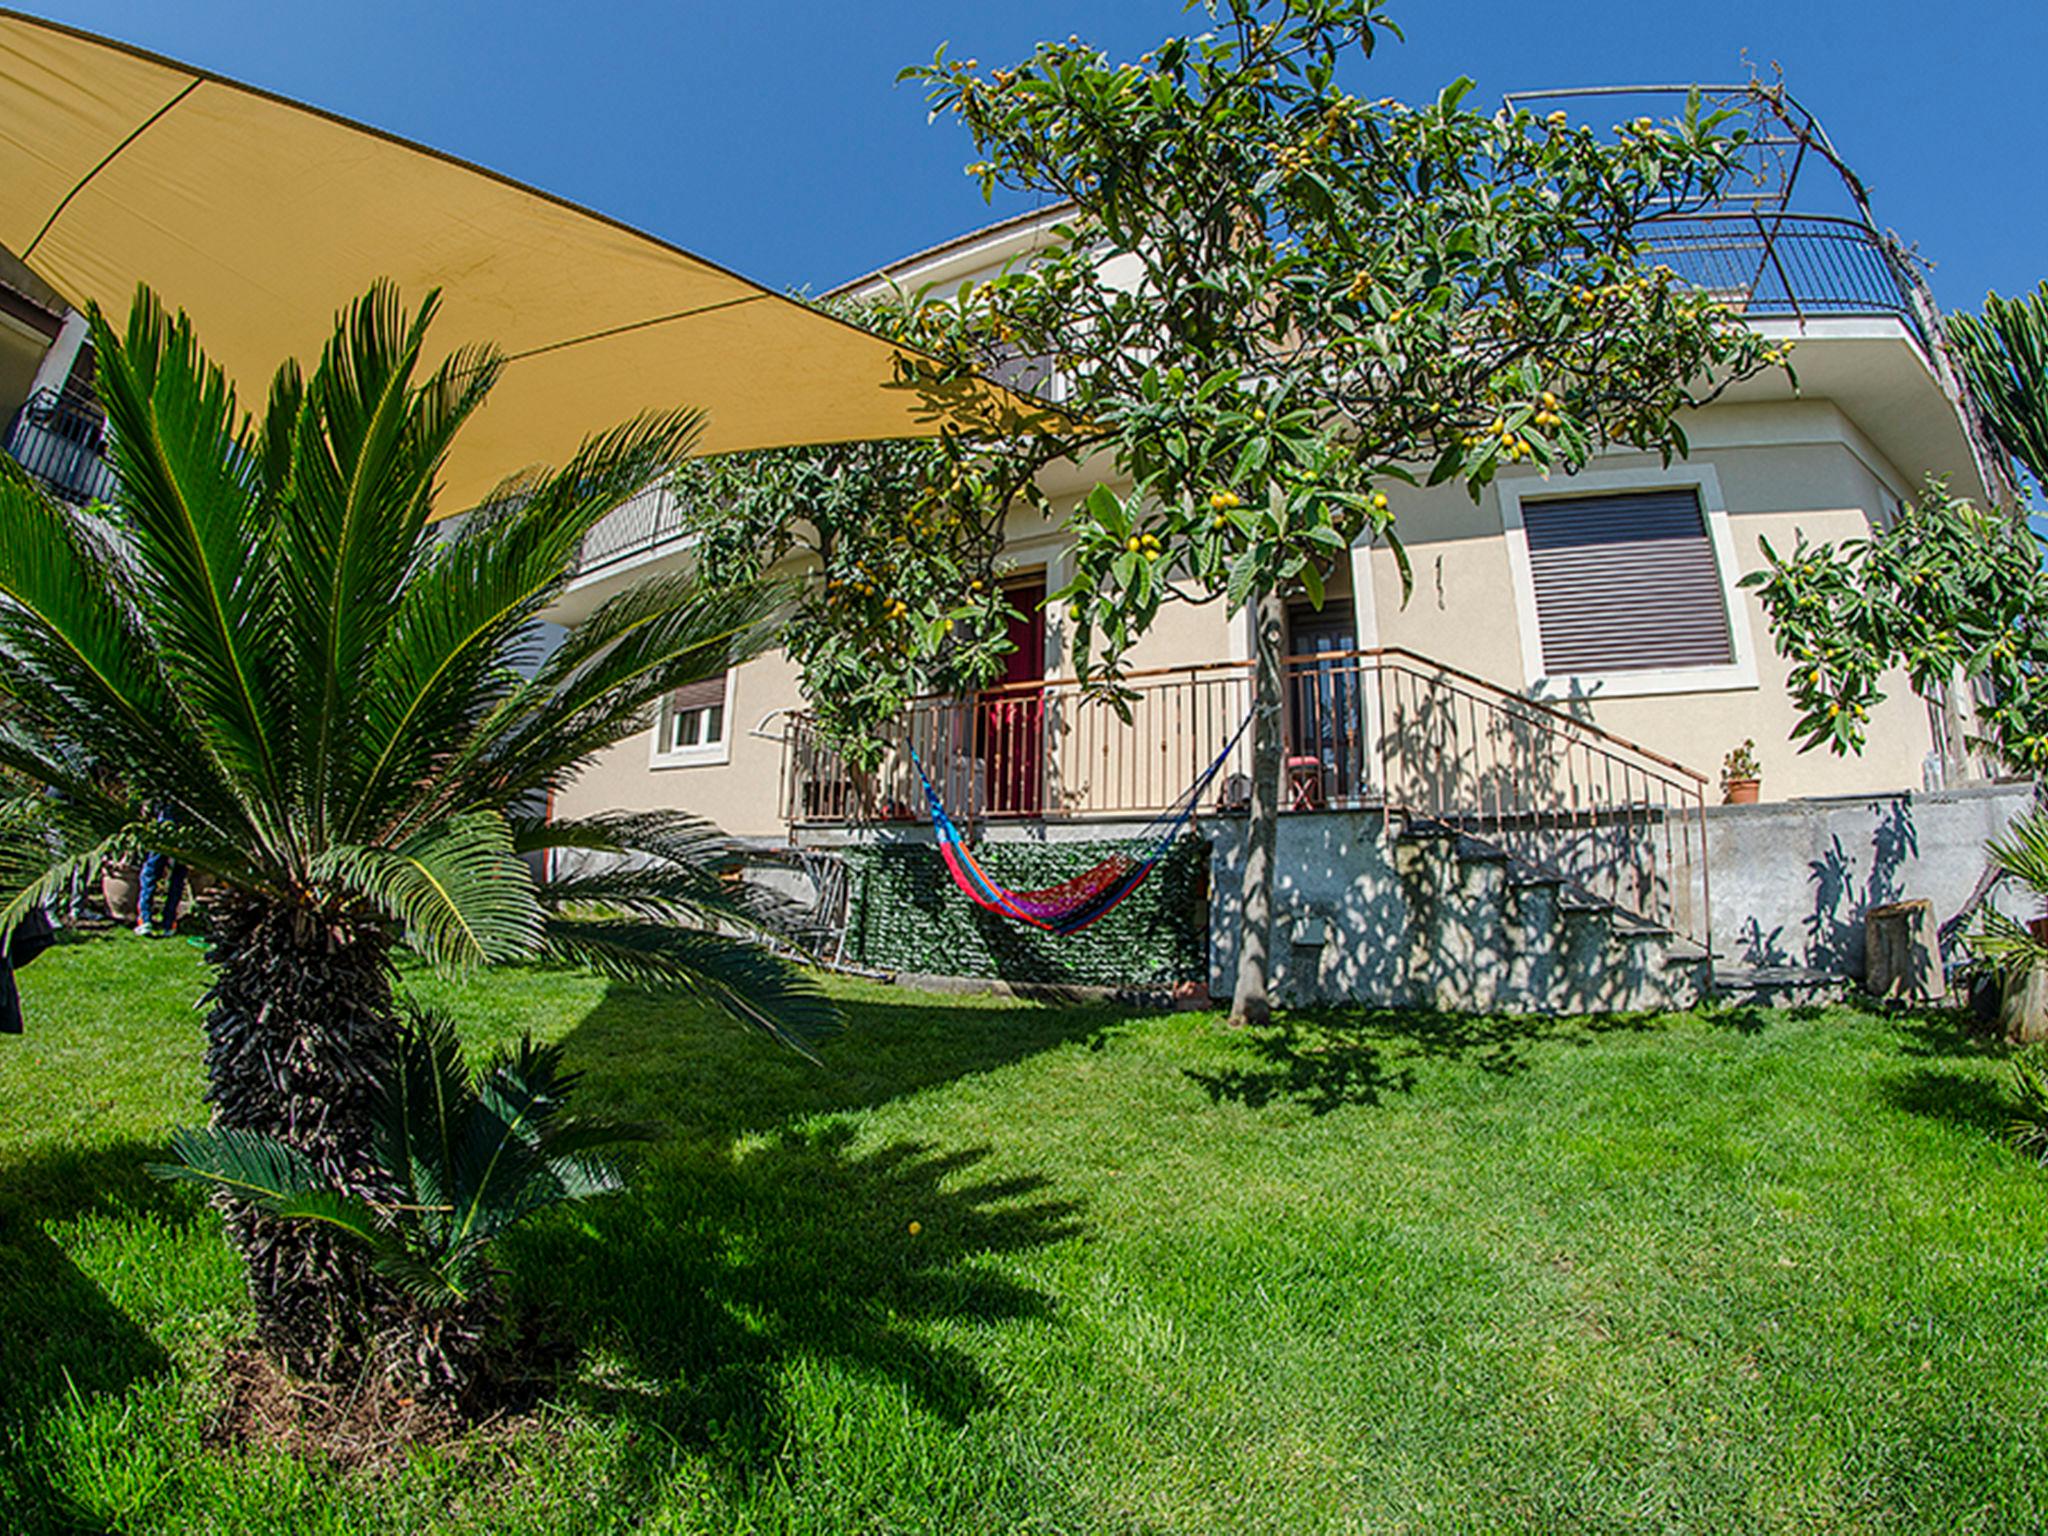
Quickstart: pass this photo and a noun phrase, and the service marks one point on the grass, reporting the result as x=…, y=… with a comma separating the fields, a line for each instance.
x=1763, y=1272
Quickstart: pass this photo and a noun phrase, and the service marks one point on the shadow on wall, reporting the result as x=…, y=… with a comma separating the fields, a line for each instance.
x=1846, y=888
x=1366, y=914
x=1794, y=880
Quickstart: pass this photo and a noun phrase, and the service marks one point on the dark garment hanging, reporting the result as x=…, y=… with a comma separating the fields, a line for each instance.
x=34, y=934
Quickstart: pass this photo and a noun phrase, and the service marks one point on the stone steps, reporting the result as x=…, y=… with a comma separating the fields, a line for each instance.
x=1486, y=933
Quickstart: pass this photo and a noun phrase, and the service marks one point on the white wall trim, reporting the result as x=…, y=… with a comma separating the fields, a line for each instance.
x=1699, y=478
x=710, y=755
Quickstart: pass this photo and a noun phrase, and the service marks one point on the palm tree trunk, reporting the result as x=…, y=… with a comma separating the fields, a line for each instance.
x=299, y=1037
x=1250, y=1003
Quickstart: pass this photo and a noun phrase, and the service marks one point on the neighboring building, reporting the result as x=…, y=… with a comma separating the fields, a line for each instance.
x=53, y=424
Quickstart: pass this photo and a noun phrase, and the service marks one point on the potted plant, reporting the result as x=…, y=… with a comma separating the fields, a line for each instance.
x=1741, y=778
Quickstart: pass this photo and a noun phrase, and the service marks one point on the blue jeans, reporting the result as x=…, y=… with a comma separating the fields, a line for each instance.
x=153, y=869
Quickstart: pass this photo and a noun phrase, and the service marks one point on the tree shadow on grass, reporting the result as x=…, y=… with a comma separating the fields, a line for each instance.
x=1948, y=1033
x=761, y=1237
x=1338, y=1058
x=61, y=1339
x=1974, y=1103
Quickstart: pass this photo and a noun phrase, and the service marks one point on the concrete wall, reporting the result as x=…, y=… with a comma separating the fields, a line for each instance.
x=1792, y=881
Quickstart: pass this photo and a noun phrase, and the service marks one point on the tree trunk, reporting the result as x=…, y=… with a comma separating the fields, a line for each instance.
x=299, y=1040
x=1250, y=1003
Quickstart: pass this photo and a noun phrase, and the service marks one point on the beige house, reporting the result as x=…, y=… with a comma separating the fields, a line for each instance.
x=1574, y=662
x=1559, y=689
x=1611, y=595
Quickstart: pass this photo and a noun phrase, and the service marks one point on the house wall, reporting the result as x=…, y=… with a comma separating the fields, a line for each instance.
x=740, y=793
x=1780, y=470
x=1775, y=470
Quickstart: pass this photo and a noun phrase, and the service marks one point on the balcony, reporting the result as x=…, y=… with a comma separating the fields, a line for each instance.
x=641, y=527
x=62, y=442
x=1381, y=730
x=1768, y=265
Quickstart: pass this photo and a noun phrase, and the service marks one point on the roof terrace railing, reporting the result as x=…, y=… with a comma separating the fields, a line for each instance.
x=62, y=442
x=1771, y=265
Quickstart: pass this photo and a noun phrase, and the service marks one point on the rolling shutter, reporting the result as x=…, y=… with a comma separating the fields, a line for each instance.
x=703, y=694
x=1626, y=583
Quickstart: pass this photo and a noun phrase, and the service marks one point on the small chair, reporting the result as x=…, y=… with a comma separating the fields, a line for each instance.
x=1304, y=783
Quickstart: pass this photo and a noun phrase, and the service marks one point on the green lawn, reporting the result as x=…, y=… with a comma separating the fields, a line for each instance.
x=1766, y=1272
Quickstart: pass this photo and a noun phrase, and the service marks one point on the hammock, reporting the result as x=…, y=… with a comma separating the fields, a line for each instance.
x=1089, y=896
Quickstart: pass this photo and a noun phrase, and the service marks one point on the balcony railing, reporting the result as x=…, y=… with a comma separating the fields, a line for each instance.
x=1381, y=729
x=63, y=443
x=641, y=526
x=1771, y=265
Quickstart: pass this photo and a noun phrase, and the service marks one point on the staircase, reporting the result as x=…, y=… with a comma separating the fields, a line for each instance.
x=1487, y=932
x=1447, y=843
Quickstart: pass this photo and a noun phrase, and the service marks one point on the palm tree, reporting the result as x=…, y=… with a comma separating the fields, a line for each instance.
x=282, y=671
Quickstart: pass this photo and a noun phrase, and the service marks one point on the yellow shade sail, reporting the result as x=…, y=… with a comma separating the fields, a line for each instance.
x=262, y=218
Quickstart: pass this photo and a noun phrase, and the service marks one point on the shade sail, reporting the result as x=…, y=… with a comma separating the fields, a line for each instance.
x=262, y=218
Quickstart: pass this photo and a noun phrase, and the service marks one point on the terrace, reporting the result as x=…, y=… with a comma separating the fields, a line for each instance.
x=1381, y=730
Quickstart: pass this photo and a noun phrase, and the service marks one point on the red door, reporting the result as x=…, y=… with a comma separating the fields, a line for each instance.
x=1010, y=724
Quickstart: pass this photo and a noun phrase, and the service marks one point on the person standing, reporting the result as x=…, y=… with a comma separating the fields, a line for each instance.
x=157, y=869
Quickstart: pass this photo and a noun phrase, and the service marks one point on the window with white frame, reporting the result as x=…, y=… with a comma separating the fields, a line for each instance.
x=1626, y=582
x=693, y=721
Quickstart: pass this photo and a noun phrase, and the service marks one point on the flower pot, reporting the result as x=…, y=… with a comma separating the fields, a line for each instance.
x=121, y=890
x=2037, y=929
x=1740, y=791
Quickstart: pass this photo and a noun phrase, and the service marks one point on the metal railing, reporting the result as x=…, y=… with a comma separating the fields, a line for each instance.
x=1381, y=729
x=640, y=526
x=62, y=441
x=1768, y=264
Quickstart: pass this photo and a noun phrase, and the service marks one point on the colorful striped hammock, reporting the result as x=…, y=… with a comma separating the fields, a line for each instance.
x=1088, y=897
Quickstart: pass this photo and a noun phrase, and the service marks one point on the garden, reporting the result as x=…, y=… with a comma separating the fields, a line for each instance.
x=480, y=1168
x=998, y=1267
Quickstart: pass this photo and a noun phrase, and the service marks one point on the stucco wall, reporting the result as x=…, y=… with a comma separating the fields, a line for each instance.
x=1781, y=469
x=1817, y=477
x=741, y=795
x=1793, y=881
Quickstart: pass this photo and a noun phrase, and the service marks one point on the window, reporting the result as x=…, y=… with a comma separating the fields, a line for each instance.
x=693, y=720
x=1626, y=583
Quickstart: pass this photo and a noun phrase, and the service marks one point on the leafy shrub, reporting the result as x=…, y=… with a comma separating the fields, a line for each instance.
x=465, y=1155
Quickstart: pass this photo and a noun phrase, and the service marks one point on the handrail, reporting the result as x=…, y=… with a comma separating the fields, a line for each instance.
x=1035, y=686
x=1383, y=728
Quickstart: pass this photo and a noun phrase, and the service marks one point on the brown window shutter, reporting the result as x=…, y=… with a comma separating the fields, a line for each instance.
x=1626, y=583
x=704, y=694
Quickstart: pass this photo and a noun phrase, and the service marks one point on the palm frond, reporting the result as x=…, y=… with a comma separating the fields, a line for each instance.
x=266, y=1172
x=736, y=977
x=480, y=594
x=185, y=457
x=2004, y=354
x=606, y=679
x=461, y=893
x=364, y=455
x=658, y=866
x=80, y=665
x=2008, y=947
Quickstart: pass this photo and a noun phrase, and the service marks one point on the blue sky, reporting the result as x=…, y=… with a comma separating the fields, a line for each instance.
x=770, y=136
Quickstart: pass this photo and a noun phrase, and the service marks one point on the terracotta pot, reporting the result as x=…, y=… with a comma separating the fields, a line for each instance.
x=1741, y=791
x=2037, y=929
x=121, y=890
